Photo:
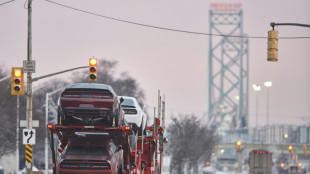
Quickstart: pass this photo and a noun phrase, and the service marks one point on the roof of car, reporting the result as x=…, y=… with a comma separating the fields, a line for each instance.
x=91, y=86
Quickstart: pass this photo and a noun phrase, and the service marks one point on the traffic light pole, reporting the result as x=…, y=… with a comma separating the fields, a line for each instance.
x=29, y=82
x=273, y=24
x=240, y=161
x=60, y=72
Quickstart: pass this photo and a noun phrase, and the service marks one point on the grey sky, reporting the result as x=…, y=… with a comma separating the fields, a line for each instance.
x=174, y=62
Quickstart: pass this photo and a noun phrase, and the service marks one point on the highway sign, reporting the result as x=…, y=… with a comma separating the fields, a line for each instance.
x=29, y=66
x=29, y=136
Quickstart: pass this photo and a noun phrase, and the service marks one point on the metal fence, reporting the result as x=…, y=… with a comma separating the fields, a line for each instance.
x=273, y=134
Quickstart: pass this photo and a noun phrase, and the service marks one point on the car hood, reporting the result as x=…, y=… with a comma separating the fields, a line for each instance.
x=85, y=157
x=133, y=118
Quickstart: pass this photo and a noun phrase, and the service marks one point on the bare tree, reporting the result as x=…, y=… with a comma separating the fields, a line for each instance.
x=189, y=143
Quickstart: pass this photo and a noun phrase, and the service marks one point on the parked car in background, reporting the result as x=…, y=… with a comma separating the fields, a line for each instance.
x=134, y=114
x=89, y=104
x=90, y=154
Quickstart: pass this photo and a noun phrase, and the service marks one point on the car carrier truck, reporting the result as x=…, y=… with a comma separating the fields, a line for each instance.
x=140, y=154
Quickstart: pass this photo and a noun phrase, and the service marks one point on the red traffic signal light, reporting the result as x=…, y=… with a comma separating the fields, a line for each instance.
x=92, y=69
x=208, y=163
x=17, y=81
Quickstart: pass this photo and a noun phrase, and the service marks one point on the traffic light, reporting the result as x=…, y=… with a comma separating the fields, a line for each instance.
x=208, y=163
x=290, y=148
x=92, y=69
x=304, y=147
x=17, y=81
x=272, y=54
x=282, y=165
x=239, y=146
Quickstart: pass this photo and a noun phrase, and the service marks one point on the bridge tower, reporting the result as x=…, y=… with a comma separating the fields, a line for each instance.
x=228, y=68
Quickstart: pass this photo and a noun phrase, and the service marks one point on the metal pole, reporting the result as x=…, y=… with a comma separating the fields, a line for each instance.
x=256, y=110
x=46, y=133
x=29, y=80
x=239, y=161
x=159, y=99
x=4, y=78
x=56, y=73
x=17, y=135
x=267, y=106
x=268, y=115
x=273, y=24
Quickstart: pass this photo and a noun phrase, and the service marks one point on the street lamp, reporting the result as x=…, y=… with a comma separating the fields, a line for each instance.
x=256, y=88
x=268, y=84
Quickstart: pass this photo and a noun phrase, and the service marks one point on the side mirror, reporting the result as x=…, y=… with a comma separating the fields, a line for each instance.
x=120, y=147
x=166, y=140
x=121, y=100
x=60, y=150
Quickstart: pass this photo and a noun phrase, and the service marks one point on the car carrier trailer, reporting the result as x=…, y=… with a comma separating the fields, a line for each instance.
x=142, y=159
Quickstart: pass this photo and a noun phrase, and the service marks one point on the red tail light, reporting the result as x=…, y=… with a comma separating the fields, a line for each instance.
x=130, y=111
x=71, y=95
x=69, y=166
x=99, y=96
x=91, y=165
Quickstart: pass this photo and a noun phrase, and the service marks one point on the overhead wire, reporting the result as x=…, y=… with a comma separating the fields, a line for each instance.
x=6, y=2
x=164, y=28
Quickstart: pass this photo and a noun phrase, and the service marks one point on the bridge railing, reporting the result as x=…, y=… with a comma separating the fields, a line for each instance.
x=274, y=134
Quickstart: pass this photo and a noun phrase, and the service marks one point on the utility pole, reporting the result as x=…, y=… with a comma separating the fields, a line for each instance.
x=29, y=82
x=17, y=134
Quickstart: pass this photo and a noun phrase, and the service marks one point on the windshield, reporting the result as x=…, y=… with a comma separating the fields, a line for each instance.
x=128, y=102
x=87, y=150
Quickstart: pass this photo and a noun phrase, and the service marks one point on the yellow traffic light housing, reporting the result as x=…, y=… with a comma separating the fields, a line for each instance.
x=290, y=148
x=304, y=147
x=92, y=69
x=272, y=54
x=239, y=146
x=17, y=81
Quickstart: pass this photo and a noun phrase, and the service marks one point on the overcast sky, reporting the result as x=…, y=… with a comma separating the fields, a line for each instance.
x=176, y=63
